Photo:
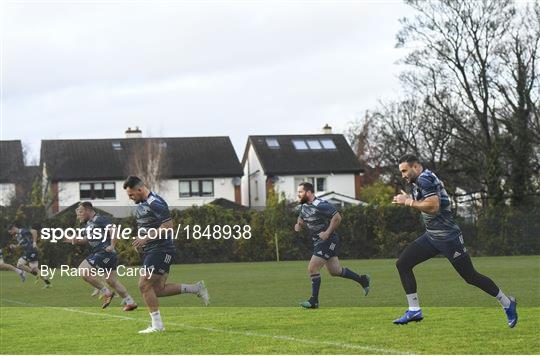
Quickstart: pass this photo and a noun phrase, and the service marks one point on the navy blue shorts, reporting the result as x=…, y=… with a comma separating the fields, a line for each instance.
x=159, y=262
x=327, y=249
x=105, y=260
x=30, y=255
x=451, y=247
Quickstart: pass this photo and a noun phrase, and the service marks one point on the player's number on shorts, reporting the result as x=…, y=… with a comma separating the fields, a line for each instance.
x=167, y=258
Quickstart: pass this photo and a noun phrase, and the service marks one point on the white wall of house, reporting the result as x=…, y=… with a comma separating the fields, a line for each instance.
x=7, y=192
x=244, y=186
x=69, y=194
x=339, y=183
x=342, y=184
x=287, y=185
x=253, y=184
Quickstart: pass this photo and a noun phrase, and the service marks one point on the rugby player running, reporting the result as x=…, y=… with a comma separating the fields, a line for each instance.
x=157, y=250
x=442, y=235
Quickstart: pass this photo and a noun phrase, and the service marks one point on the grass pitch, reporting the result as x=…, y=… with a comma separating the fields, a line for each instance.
x=254, y=310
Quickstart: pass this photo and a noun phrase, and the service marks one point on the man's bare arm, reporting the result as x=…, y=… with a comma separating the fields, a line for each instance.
x=34, y=237
x=299, y=224
x=334, y=223
x=430, y=205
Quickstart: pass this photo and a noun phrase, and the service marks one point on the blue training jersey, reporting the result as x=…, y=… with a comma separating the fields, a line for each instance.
x=151, y=214
x=25, y=240
x=440, y=225
x=98, y=241
x=317, y=216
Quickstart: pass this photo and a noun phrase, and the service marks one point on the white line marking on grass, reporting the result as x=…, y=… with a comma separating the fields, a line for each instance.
x=229, y=332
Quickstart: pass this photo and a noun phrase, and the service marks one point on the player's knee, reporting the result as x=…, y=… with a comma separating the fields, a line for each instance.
x=404, y=264
x=144, y=285
x=470, y=278
x=158, y=289
x=400, y=264
x=334, y=273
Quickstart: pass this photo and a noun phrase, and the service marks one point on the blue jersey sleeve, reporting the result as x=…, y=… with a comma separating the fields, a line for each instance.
x=300, y=212
x=427, y=185
x=102, y=222
x=327, y=209
x=161, y=210
x=27, y=237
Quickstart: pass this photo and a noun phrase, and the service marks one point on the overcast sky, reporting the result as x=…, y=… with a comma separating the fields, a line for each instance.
x=74, y=69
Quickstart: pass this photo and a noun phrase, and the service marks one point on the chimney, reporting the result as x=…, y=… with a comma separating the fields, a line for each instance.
x=133, y=133
x=327, y=129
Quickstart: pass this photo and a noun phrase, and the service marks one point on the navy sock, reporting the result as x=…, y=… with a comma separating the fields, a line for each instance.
x=315, y=285
x=347, y=273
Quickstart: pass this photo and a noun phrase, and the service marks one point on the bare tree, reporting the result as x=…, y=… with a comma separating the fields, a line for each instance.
x=519, y=96
x=460, y=52
x=148, y=161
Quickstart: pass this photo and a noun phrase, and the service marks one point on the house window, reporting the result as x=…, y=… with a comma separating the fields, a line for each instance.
x=97, y=190
x=185, y=190
x=207, y=188
x=196, y=188
x=272, y=143
x=319, y=183
x=109, y=191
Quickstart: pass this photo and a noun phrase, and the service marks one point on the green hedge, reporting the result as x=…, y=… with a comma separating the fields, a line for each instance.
x=366, y=232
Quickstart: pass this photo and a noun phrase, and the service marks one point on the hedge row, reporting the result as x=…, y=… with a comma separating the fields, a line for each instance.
x=366, y=232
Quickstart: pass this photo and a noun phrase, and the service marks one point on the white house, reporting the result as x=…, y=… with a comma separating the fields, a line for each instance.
x=186, y=171
x=15, y=178
x=281, y=162
x=11, y=164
